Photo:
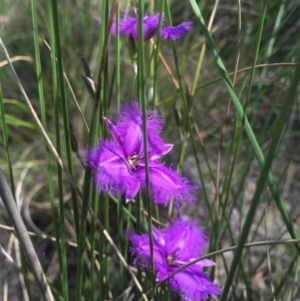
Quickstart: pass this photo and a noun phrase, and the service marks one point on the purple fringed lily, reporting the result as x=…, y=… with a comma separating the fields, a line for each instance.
x=180, y=243
x=129, y=26
x=119, y=164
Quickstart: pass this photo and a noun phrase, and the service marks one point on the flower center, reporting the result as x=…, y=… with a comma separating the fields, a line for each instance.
x=133, y=161
x=170, y=260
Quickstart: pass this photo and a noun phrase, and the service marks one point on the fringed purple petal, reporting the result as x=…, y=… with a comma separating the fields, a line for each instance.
x=150, y=25
x=154, y=127
x=140, y=251
x=133, y=141
x=129, y=124
x=158, y=237
x=129, y=113
x=87, y=156
x=133, y=113
x=92, y=157
x=113, y=131
x=167, y=148
x=194, y=286
x=175, y=32
x=154, y=122
x=128, y=25
x=112, y=174
x=167, y=184
x=185, y=233
x=205, y=263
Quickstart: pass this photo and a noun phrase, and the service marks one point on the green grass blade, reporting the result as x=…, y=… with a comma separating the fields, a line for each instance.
x=187, y=116
x=118, y=60
x=219, y=225
x=93, y=278
x=255, y=57
x=6, y=144
x=59, y=238
x=245, y=122
x=61, y=245
x=100, y=109
x=13, y=120
x=265, y=173
x=144, y=104
x=157, y=52
x=60, y=73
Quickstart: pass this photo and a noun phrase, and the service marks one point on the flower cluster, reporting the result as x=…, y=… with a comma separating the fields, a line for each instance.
x=119, y=167
x=173, y=247
x=129, y=26
x=119, y=164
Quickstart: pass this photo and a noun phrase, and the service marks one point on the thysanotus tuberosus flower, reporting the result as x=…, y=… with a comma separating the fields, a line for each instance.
x=128, y=25
x=119, y=165
x=180, y=243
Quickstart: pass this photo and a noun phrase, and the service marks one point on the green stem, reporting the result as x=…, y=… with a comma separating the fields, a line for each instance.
x=60, y=70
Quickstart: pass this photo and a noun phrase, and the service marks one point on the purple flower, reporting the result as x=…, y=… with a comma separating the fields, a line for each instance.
x=180, y=243
x=175, y=32
x=129, y=26
x=119, y=164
